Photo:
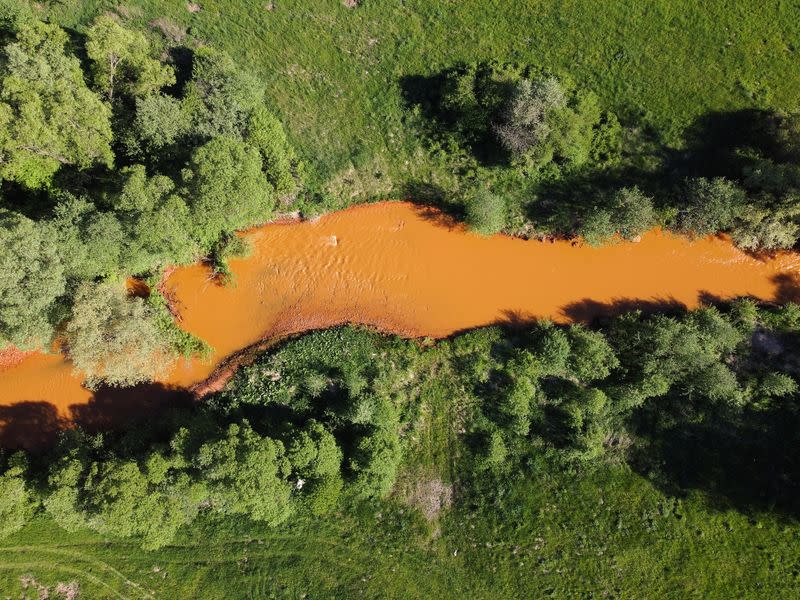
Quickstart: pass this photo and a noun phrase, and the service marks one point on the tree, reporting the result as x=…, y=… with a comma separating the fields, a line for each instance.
x=375, y=461
x=48, y=117
x=219, y=97
x=542, y=123
x=159, y=123
x=123, y=499
x=591, y=357
x=711, y=206
x=114, y=338
x=226, y=189
x=31, y=281
x=246, y=475
x=17, y=503
x=156, y=219
x=123, y=59
x=485, y=212
x=317, y=459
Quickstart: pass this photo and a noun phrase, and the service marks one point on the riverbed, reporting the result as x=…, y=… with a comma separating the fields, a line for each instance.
x=400, y=268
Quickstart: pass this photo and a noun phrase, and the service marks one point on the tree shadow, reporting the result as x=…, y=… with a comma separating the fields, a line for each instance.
x=431, y=197
x=112, y=407
x=32, y=425
x=36, y=425
x=746, y=462
x=713, y=142
x=589, y=310
x=441, y=217
x=787, y=288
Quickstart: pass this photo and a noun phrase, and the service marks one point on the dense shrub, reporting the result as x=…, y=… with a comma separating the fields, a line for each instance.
x=629, y=213
x=485, y=212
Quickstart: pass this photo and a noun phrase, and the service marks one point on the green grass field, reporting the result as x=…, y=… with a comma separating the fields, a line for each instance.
x=336, y=75
x=608, y=533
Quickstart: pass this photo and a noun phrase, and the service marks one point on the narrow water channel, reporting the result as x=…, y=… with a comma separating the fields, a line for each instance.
x=403, y=269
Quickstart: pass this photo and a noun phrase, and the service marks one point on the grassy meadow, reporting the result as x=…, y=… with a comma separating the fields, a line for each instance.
x=343, y=79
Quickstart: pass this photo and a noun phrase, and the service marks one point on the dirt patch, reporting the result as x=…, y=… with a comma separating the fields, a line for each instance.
x=350, y=3
x=62, y=590
x=193, y=7
x=170, y=29
x=429, y=496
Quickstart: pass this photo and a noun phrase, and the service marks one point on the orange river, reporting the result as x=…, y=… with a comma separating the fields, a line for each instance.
x=400, y=268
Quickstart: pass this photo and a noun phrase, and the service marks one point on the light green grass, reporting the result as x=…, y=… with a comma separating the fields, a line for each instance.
x=334, y=74
x=563, y=535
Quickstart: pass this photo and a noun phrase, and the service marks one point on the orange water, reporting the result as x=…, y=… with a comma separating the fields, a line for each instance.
x=414, y=272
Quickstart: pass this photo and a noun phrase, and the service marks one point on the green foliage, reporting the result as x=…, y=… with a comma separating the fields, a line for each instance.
x=157, y=221
x=711, y=206
x=281, y=166
x=629, y=213
x=543, y=123
x=17, y=503
x=48, y=117
x=485, y=212
x=31, y=280
x=227, y=189
x=160, y=123
x=124, y=60
x=375, y=461
x=245, y=474
x=125, y=499
x=113, y=338
x=220, y=97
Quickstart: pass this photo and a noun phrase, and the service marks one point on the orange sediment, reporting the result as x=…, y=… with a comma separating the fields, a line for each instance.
x=412, y=271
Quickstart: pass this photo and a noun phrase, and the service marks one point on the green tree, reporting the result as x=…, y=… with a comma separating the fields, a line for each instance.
x=591, y=357
x=485, y=212
x=17, y=503
x=542, y=122
x=711, y=206
x=157, y=221
x=317, y=460
x=124, y=60
x=160, y=122
x=31, y=281
x=628, y=213
x=48, y=117
x=114, y=338
x=265, y=132
x=220, y=97
x=246, y=475
x=375, y=461
x=123, y=499
x=226, y=189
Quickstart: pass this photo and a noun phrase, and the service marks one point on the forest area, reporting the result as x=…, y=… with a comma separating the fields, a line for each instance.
x=654, y=449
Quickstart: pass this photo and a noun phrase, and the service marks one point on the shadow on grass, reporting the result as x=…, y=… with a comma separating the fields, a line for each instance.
x=748, y=462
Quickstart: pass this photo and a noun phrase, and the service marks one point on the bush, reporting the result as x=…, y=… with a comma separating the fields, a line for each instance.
x=629, y=213
x=485, y=212
x=712, y=205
